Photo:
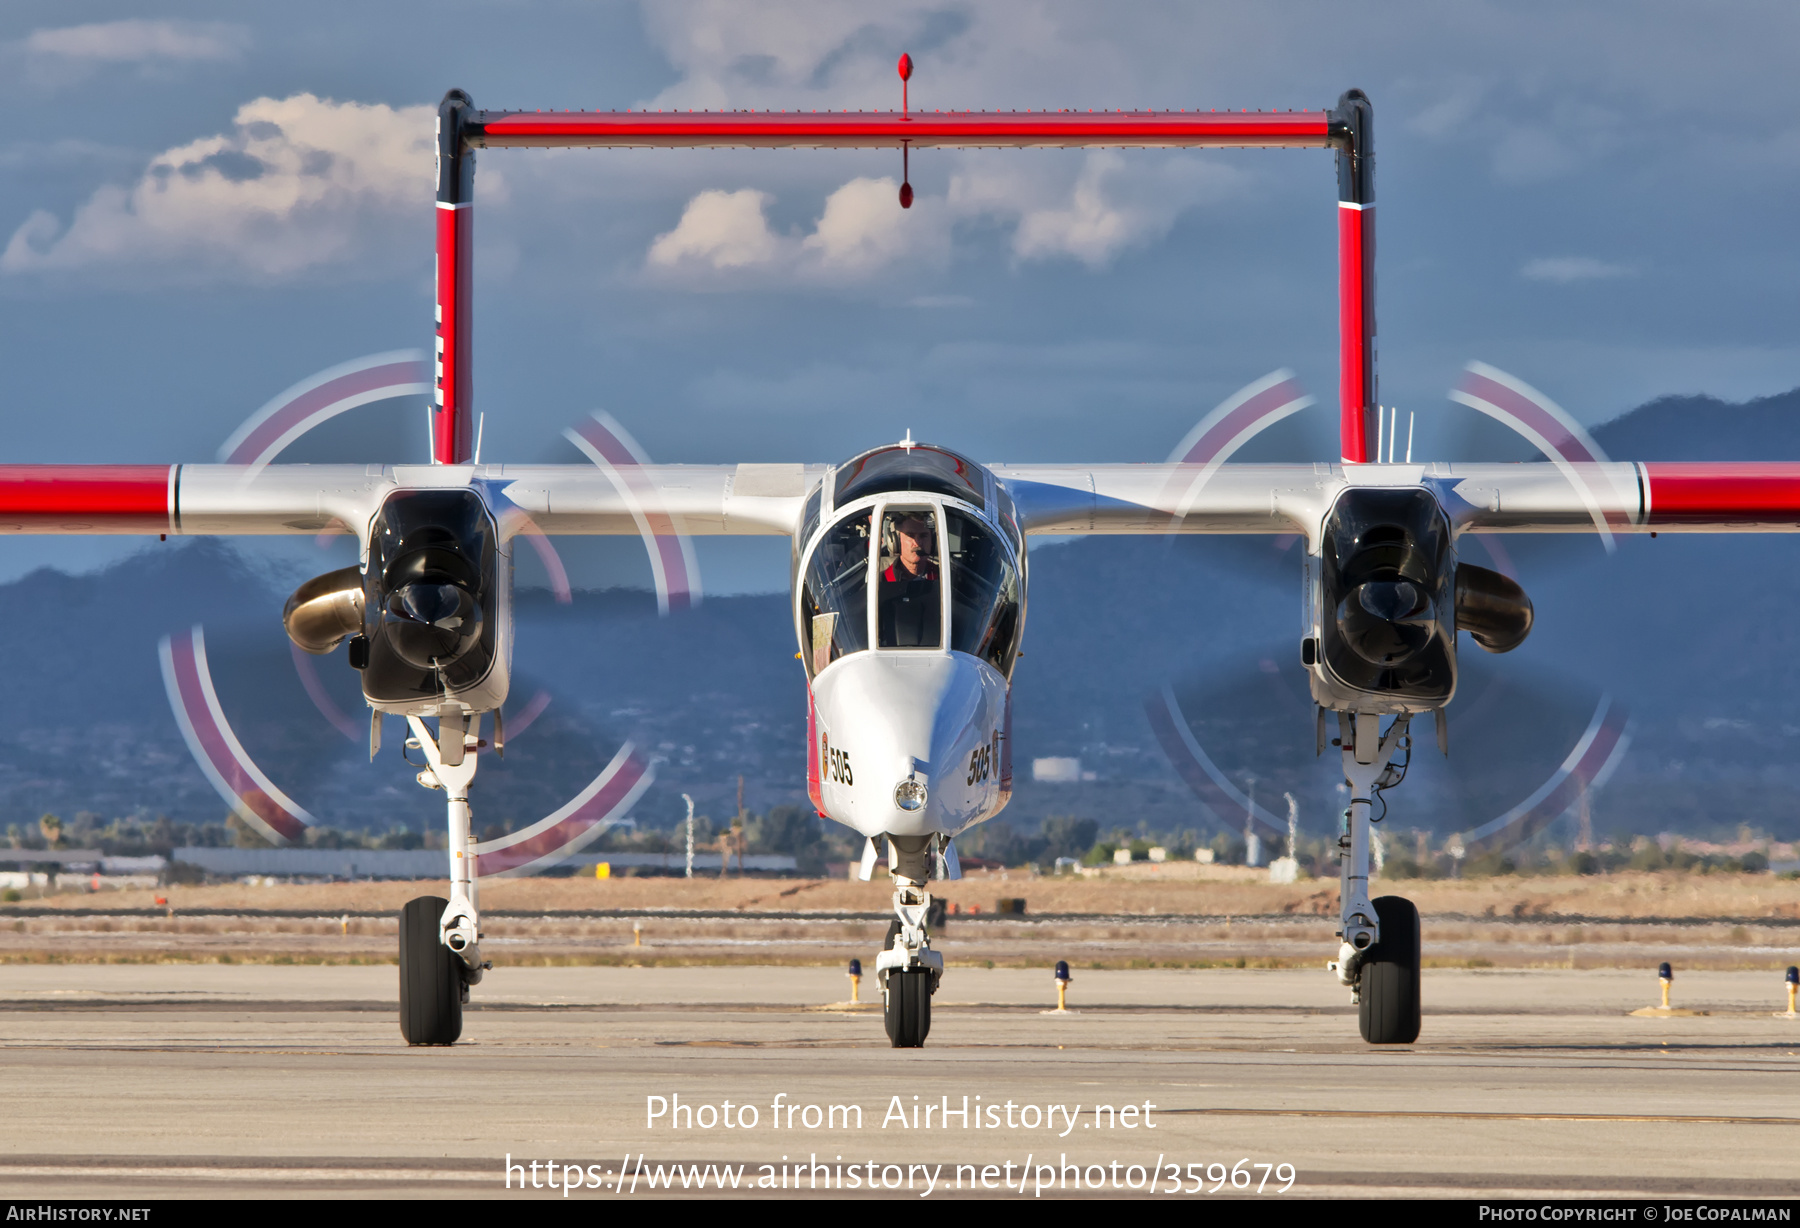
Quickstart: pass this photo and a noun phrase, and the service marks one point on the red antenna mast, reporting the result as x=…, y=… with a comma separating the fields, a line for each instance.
x=906, y=192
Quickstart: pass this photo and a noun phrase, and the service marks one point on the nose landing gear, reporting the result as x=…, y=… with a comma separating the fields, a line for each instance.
x=1379, y=955
x=440, y=951
x=908, y=969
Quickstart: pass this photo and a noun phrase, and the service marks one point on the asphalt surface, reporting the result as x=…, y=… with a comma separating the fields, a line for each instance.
x=143, y=1081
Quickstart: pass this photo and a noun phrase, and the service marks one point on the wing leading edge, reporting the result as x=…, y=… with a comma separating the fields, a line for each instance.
x=1534, y=497
x=1716, y=497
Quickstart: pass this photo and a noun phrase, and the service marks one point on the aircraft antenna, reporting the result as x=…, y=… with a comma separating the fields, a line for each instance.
x=906, y=189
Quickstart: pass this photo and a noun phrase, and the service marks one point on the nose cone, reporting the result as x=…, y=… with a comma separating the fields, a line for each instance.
x=887, y=718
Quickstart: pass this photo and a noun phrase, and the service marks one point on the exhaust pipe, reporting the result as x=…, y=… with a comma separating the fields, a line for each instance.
x=324, y=610
x=1491, y=608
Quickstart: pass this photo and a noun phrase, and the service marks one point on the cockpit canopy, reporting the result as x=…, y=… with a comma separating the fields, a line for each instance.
x=928, y=567
x=914, y=468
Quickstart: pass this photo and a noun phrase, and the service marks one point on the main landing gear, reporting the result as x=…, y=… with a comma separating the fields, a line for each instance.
x=1379, y=954
x=440, y=952
x=909, y=970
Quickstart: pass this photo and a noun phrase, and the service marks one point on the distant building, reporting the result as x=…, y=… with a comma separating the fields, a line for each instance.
x=432, y=864
x=1055, y=771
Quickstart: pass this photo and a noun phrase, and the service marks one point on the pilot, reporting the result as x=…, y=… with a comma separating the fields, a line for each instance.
x=915, y=559
x=909, y=612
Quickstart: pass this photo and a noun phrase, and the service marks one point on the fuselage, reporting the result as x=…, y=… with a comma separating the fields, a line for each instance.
x=909, y=604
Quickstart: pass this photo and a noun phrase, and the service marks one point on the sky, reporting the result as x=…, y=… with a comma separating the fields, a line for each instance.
x=203, y=203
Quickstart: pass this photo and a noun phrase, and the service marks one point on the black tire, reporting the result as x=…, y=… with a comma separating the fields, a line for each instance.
x=431, y=977
x=908, y=1007
x=1389, y=1012
x=906, y=1004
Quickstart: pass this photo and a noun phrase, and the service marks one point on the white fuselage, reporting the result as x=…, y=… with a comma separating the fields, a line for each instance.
x=909, y=651
x=880, y=718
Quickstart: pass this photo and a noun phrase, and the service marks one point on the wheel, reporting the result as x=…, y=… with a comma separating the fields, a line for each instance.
x=906, y=1002
x=431, y=977
x=908, y=1007
x=1389, y=1012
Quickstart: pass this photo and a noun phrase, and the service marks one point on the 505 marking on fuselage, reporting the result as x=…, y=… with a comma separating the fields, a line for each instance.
x=981, y=760
x=837, y=762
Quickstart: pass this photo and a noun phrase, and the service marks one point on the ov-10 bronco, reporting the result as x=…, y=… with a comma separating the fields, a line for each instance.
x=909, y=561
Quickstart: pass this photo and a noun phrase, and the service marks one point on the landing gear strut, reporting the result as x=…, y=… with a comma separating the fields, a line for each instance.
x=909, y=970
x=440, y=951
x=1378, y=957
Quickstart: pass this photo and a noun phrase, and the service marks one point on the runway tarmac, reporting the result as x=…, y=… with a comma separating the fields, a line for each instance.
x=146, y=1080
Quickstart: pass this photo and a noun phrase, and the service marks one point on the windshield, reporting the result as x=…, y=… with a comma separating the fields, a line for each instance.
x=834, y=603
x=984, y=592
x=911, y=607
x=930, y=471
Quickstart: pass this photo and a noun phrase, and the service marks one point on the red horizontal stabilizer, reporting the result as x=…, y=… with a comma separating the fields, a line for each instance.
x=891, y=129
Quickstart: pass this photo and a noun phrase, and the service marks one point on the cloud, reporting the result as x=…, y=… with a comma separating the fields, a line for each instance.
x=1111, y=206
x=719, y=230
x=138, y=40
x=1451, y=107
x=724, y=239
x=1565, y=269
x=152, y=48
x=727, y=51
x=863, y=231
x=1092, y=227
x=298, y=184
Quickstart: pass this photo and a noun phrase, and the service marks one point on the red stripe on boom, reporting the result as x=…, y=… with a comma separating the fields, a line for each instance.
x=1356, y=327
x=452, y=440
x=1724, y=493
x=85, y=498
x=887, y=129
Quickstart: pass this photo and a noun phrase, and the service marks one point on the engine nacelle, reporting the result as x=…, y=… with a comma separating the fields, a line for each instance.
x=434, y=604
x=1386, y=608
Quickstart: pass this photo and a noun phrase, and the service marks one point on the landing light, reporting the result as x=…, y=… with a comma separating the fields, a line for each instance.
x=909, y=794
